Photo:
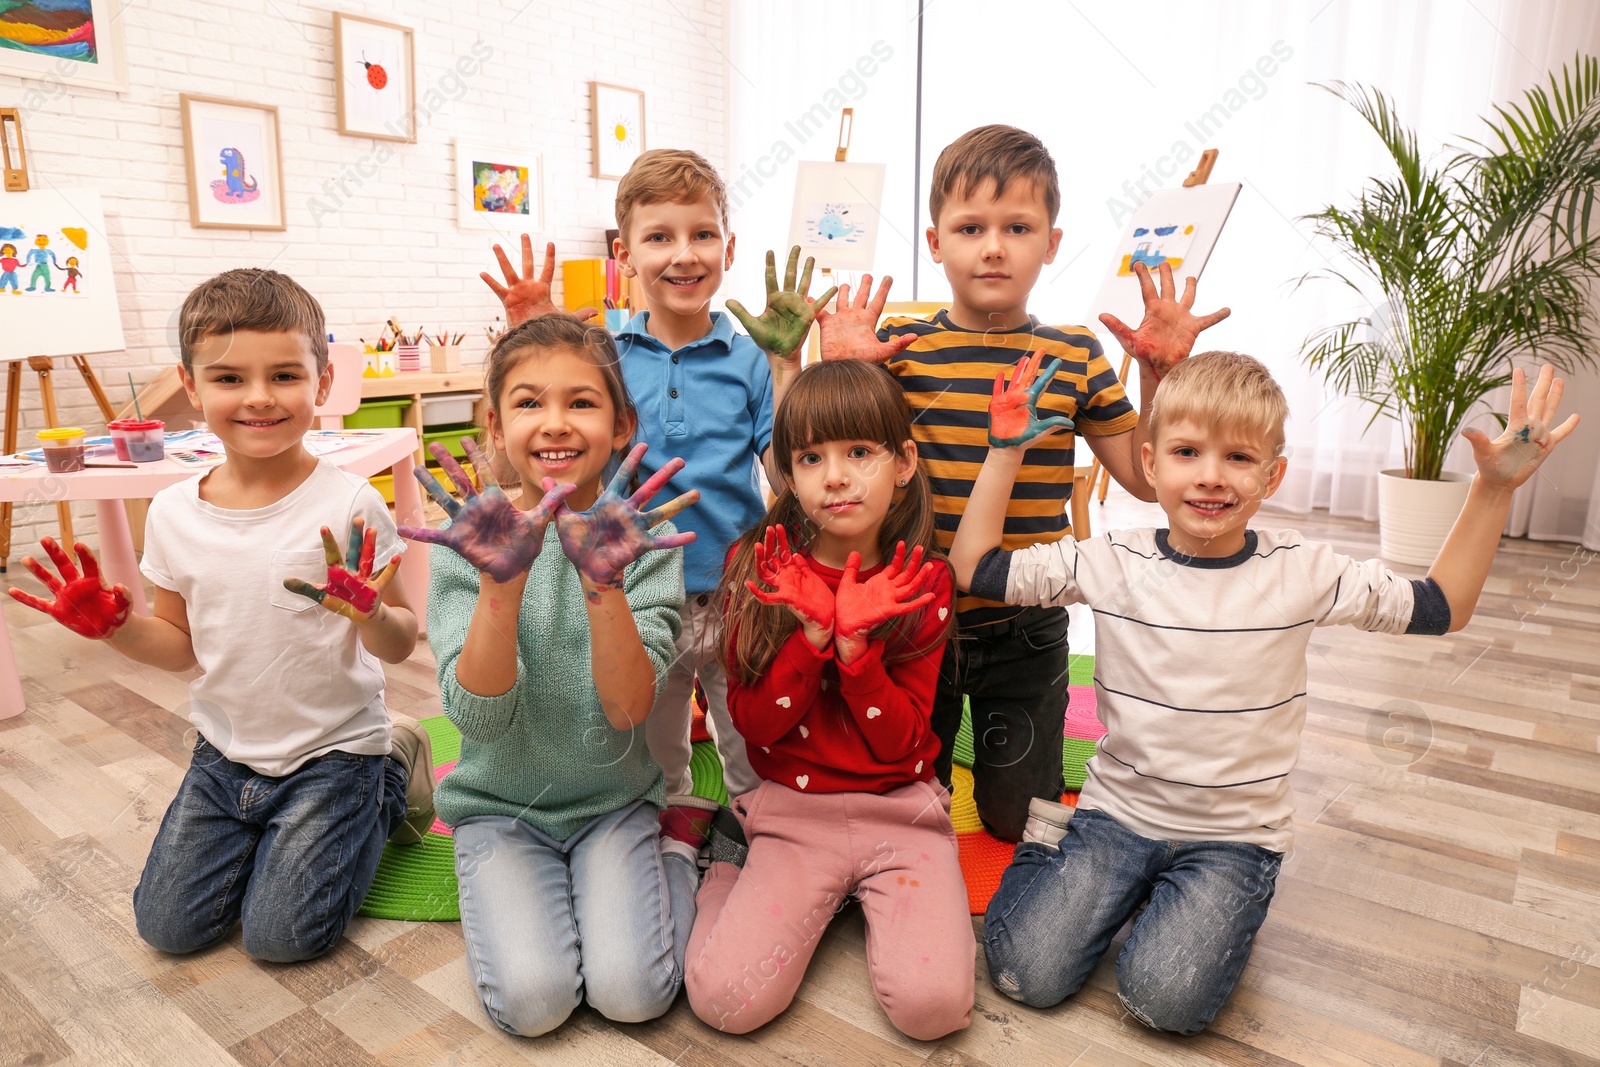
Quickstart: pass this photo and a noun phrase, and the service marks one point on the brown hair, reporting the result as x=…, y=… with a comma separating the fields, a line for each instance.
x=670, y=175
x=250, y=298
x=1222, y=390
x=1002, y=153
x=592, y=343
x=841, y=400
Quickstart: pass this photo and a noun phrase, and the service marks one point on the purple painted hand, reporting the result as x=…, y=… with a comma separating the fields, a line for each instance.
x=351, y=590
x=486, y=529
x=602, y=541
x=1013, y=409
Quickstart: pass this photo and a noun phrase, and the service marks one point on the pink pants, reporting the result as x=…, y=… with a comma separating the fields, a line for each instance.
x=756, y=928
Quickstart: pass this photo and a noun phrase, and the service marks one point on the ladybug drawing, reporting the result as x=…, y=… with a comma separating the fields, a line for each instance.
x=377, y=77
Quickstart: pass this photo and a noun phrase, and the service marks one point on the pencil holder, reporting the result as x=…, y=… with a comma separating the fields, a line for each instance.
x=408, y=357
x=444, y=358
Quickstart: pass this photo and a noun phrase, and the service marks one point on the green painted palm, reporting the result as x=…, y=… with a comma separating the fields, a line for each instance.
x=1481, y=257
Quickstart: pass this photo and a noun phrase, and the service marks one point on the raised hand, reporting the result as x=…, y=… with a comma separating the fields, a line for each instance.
x=861, y=607
x=795, y=585
x=81, y=603
x=1529, y=437
x=351, y=590
x=1013, y=409
x=1168, y=330
x=524, y=296
x=789, y=312
x=851, y=330
x=602, y=541
x=486, y=529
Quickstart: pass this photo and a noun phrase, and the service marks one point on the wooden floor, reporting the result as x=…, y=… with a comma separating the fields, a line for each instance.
x=1442, y=904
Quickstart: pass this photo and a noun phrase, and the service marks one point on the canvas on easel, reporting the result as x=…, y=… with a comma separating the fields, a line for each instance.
x=1178, y=227
x=57, y=289
x=836, y=211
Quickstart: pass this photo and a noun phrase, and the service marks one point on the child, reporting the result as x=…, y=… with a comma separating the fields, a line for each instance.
x=73, y=274
x=993, y=207
x=548, y=663
x=1201, y=680
x=831, y=682
x=705, y=393
x=293, y=785
x=8, y=268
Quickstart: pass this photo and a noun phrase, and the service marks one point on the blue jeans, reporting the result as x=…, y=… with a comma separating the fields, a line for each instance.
x=602, y=916
x=1057, y=910
x=291, y=857
x=1016, y=676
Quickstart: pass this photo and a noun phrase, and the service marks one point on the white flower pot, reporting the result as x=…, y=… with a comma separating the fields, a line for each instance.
x=1415, y=515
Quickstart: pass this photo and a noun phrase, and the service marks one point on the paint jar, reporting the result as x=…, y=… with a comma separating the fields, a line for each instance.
x=63, y=449
x=139, y=440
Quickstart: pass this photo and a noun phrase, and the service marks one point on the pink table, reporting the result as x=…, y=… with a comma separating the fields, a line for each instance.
x=109, y=487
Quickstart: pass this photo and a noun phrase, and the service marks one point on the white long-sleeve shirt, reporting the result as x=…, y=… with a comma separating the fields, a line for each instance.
x=1200, y=667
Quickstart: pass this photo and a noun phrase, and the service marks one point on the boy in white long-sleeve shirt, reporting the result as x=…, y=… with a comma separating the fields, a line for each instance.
x=1200, y=672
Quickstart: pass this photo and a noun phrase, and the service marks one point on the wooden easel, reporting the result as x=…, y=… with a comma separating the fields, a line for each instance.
x=1100, y=478
x=44, y=366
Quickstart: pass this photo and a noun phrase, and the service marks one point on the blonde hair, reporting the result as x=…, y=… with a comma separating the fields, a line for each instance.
x=1002, y=154
x=1222, y=390
x=669, y=175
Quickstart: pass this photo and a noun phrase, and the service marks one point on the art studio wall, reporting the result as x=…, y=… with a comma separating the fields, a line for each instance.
x=370, y=226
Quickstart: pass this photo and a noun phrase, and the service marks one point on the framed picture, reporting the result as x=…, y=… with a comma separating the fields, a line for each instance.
x=499, y=188
x=235, y=169
x=375, y=71
x=76, y=42
x=616, y=116
x=836, y=209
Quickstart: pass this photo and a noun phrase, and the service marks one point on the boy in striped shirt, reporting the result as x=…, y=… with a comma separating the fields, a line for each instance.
x=993, y=206
x=1200, y=671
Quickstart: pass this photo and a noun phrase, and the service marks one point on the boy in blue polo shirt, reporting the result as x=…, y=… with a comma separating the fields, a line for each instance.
x=704, y=392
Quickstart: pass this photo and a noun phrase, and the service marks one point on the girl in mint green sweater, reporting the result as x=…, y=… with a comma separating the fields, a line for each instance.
x=551, y=620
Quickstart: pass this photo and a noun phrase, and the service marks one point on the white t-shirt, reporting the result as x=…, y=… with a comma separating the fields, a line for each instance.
x=283, y=680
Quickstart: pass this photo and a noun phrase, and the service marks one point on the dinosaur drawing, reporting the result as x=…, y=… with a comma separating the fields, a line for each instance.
x=233, y=168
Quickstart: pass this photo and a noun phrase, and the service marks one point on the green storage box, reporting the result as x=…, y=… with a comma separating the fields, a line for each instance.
x=450, y=437
x=378, y=414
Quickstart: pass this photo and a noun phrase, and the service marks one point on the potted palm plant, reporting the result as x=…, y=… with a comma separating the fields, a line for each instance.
x=1472, y=259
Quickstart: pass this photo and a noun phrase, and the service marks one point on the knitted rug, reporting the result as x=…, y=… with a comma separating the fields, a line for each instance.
x=419, y=881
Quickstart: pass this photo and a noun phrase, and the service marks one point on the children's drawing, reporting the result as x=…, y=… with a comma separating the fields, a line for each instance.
x=1155, y=245
x=236, y=186
x=837, y=224
x=56, y=283
x=61, y=29
x=500, y=187
x=376, y=78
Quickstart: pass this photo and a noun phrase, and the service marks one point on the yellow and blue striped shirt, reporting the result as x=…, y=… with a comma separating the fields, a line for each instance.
x=948, y=375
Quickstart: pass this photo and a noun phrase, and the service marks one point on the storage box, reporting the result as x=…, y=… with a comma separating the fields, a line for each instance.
x=448, y=409
x=378, y=414
x=384, y=484
x=450, y=437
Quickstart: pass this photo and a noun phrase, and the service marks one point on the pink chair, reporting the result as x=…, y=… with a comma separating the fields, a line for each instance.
x=348, y=363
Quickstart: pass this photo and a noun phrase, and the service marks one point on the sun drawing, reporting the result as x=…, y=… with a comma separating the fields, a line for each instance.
x=623, y=134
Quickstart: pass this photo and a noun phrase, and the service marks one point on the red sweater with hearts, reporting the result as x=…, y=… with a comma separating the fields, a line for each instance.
x=818, y=725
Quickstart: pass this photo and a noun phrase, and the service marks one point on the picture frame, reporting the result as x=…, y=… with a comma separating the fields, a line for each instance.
x=91, y=53
x=499, y=188
x=375, y=72
x=616, y=125
x=234, y=162
x=837, y=207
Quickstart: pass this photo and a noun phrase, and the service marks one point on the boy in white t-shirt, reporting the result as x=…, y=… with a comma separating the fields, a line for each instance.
x=1200, y=672
x=293, y=786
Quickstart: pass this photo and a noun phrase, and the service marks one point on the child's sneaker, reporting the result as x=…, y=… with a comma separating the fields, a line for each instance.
x=726, y=840
x=412, y=748
x=1047, y=822
x=685, y=822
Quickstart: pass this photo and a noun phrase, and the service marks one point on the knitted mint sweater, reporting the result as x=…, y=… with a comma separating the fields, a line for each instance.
x=543, y=751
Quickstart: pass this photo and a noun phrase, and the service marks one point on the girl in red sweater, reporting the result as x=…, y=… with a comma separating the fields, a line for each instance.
x=833, y=650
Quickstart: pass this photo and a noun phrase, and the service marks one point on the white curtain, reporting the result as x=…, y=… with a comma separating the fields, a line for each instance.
x=1129, y=94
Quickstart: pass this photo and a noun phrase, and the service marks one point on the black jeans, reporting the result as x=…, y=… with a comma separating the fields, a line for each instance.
x=1016, y=676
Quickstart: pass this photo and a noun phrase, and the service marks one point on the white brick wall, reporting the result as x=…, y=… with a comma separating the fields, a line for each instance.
x=393, y=248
